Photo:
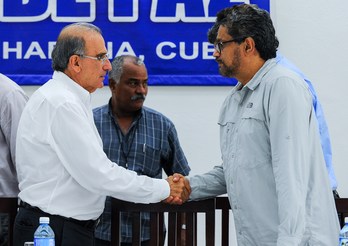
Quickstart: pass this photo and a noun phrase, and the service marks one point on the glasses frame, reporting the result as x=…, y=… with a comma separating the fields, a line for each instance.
x=101, y=58
x=219, y=46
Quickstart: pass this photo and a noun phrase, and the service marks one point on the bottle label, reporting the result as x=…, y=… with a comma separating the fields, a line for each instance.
x=343, y=242
x=44, y=242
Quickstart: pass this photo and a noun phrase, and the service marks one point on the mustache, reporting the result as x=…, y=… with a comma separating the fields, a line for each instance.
x=138, y=96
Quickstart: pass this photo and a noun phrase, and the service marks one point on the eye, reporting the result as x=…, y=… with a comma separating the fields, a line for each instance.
x=102, y=57
x=133, y=83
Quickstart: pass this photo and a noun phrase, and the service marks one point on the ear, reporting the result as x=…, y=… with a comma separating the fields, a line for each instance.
x=249, y=45
x=75, y=63
x=112, y=84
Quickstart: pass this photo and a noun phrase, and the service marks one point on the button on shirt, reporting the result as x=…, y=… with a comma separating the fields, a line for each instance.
x=273, y=167
x=61, y=165
x=150, y=146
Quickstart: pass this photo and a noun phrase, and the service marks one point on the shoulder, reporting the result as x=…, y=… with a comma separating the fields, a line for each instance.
x=101, y=109
x=284, y=77
x=99, y=113
x=155, y=115
x=8, y=86
x=12, y=96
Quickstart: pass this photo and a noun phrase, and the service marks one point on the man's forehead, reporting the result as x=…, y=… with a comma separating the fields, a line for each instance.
x=222, y=33
x=95, y=43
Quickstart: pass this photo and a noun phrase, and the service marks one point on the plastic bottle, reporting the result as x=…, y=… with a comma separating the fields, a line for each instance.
x=344, y=233
x=44, y=235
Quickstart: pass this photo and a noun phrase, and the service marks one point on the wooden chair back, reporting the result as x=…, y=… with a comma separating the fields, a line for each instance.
x=174, y=231
x=190, y=210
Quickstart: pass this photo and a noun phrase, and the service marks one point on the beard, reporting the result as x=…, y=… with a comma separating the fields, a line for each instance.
x=232, y=70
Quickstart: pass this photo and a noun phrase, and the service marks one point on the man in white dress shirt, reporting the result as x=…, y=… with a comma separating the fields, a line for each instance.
x=62, y=169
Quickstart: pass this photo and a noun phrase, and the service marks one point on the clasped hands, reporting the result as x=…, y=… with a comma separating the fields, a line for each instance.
x=180, y=189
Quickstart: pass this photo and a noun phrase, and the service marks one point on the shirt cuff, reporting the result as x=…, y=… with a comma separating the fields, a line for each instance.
x=163, y=189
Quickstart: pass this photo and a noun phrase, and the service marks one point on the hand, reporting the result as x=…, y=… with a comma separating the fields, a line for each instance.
x=176, y=189
x=179, y=189
x=187, y=191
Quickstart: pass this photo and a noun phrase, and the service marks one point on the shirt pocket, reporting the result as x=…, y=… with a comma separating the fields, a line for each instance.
x=148, y=160
x=253, y=120
x=227, y=129
x=253, y=136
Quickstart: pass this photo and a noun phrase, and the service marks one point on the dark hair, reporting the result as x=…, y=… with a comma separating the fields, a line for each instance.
x=247, y=20
x=69, y=44
x=117, y=67
x=220, y=16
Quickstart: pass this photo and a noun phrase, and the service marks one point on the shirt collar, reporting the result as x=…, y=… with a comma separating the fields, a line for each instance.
x=138, y=116
x=73, y=86
x=256, y=80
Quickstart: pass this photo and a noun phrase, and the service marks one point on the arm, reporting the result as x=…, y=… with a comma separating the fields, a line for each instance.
x=323, y=129
x=15, y=102
x=73, y=130
x=289, y=129
x=324, y=136
x=177, y=162
x=210, y=184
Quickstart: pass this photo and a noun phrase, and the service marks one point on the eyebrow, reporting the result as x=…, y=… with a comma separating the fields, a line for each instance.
x=134, y=79
x=102, y=53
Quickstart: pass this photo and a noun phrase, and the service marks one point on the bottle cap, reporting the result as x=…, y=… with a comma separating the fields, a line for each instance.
x=44, y=220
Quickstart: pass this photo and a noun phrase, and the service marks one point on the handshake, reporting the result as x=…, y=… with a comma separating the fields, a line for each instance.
x=180, y=189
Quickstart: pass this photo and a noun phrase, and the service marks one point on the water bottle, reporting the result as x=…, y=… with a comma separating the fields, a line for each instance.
x=44, y=235
x=344, y=233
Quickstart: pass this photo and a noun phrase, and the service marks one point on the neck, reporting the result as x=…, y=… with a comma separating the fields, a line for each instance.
x=252, y=67
x=124, y=119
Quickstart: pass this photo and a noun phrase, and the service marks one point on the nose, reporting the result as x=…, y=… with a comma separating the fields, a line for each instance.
x=107, y=65
x=141, y=89
x=216, y=53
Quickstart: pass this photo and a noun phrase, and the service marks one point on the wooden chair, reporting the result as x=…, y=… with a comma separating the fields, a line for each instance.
x=223, y=204
x=191, y=209
x=9, y=206
x=174, y=212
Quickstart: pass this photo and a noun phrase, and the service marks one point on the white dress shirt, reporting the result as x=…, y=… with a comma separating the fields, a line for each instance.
x=12, y=102
x=273, y=166
x=61, y=165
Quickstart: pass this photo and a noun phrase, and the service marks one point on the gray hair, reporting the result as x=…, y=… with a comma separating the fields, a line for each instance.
x=117, y=67
x=70, y=42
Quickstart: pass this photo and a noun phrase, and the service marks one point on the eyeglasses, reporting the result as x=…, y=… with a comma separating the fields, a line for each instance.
x=101, y=57
x=220, y=45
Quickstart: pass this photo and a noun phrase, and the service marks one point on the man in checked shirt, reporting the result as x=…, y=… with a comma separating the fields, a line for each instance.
x=136, y=137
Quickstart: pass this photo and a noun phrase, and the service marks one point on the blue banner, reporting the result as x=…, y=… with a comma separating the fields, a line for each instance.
x=170, y=35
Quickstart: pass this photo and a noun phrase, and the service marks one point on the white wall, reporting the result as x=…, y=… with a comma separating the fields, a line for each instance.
x=312, y=34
